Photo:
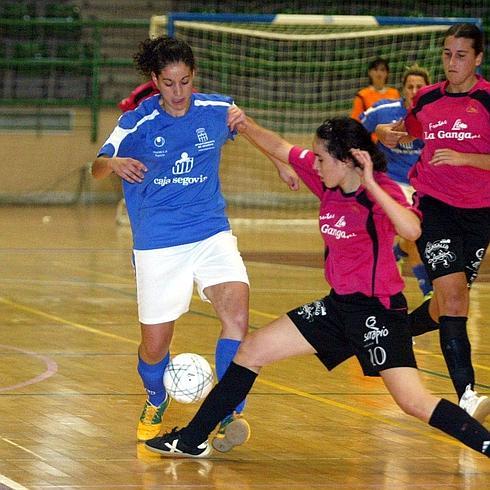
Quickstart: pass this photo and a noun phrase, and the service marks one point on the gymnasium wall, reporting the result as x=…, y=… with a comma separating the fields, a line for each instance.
x=55, y=161
x=42, y=161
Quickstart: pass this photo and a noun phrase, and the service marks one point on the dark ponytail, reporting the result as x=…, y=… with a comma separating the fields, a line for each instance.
x=341, y=134
x=467, y=31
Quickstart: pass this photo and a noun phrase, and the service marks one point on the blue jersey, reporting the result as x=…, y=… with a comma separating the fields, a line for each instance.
x=403, y=156
x=180, y=199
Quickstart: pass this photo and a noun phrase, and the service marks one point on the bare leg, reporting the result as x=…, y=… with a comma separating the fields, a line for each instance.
x=230, y=301
x=452, y=295
x=277, y=340
x=155, y=341
x=406, y=388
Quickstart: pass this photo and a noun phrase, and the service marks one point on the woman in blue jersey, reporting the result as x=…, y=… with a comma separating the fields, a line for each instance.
x=365, y=312
x=167, y=152
x=401, y=158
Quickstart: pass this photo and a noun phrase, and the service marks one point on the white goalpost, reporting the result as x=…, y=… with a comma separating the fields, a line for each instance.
x=290, y=72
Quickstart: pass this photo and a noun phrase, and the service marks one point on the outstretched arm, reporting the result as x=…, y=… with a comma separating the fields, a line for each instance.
x=286, y=172
x=266, y=140
x=274, y=147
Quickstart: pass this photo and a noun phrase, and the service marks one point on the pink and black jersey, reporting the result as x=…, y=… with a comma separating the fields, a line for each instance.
x=357, y=233
x=460, y=122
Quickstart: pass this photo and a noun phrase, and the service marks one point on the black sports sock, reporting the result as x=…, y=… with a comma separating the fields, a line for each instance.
x=222, y=399
x=456, y=349
x=454, y=421
x=420, y=321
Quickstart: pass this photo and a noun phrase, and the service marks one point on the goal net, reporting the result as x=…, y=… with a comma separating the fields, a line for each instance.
x=290, y=72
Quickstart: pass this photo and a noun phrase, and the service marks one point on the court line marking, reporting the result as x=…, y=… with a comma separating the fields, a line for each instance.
x=128, y=281
x=360, y=411
x=10, y=484
x=51, y=368
x=256, y=312
x=64, y=321
x=7, y=483
x=440, y=356
x=272, y=384
x=23, y=448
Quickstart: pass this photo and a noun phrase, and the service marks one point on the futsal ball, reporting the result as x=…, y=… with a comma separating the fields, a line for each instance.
x=188, y=378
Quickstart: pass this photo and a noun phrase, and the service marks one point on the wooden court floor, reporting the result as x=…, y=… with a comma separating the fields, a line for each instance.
x=70, y=395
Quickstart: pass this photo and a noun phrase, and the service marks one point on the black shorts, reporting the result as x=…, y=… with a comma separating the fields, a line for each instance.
x=340, y=326
x=453, y=239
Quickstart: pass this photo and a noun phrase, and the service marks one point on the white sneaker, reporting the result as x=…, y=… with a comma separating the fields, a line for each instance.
x=478, y=406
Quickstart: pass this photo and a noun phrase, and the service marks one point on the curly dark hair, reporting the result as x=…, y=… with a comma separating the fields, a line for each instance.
x=155, y=54
x=342, y=134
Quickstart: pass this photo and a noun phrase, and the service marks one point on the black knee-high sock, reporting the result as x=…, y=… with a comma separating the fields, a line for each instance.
x=222, y=399
x=455, y=422
x=456, y=348
x=420, y=321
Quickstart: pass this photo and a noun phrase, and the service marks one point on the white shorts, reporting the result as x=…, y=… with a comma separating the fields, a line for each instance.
x=165, y=277
x=408, y=190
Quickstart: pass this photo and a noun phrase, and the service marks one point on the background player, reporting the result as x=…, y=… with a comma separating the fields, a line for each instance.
x=138, y=95
x=364, y=314
x=452, y=179
x=378, y=72
x=401, y=159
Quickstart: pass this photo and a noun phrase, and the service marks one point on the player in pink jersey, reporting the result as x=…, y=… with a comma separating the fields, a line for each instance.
x=452, y=180
x=365, y=313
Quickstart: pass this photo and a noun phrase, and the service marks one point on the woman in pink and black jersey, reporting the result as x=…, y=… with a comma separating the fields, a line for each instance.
x=452, y=180
x=365, y=312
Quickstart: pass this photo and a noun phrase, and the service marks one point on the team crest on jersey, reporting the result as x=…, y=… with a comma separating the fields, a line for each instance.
x=201, y=135
x=472, y=108
x=204, y=143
